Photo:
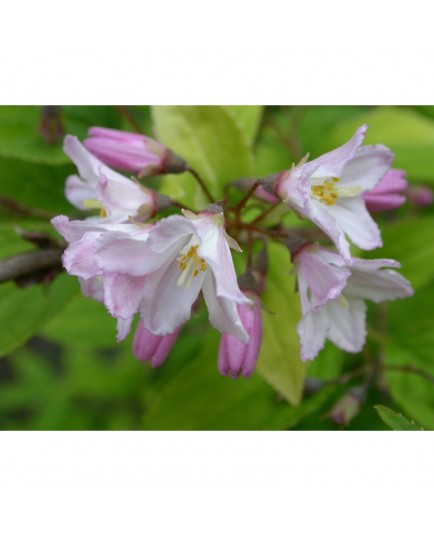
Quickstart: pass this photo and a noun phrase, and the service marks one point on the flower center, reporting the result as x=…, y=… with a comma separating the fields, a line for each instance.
x=190, y=265
x=329, y=191
x=94, y=203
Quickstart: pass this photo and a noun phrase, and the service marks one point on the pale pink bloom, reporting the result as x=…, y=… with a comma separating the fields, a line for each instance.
x=332, y=295
x=161, y=275
x=78, y=258
x=99, y=187
x=329, y=191
x=153, y=348
x=132, y=152
x=387, y=194
x=236, y=357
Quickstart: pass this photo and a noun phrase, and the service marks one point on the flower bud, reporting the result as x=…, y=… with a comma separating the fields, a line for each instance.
x=153, y=348
x=234, y=356
x=421, y=196
x=386, y=195
x=132, y=152
x=347, y=407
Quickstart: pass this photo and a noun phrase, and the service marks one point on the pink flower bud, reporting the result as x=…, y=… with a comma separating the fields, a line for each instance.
x=236, y=357
x=153, y=348
x=386, y=195
x=132, y=152
x=421, y=196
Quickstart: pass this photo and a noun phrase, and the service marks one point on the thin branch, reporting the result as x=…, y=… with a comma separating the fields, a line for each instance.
x=30, y=262
x=412, y=369
x=15, y=207
x=201, y=184
x=125, y=113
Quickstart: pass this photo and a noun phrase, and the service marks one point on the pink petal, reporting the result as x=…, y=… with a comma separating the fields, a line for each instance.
x=347, y=324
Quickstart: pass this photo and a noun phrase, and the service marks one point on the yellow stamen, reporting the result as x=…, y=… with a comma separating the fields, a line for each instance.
x=190, y=264
x=94, y=203
x=328, y=192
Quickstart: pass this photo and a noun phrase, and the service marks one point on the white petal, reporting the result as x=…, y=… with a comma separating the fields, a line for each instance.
x=347, y=324
x=332, y=164
x=123, y=328
x=369, y=281
x=368, y=167
x=122, y=294
x=223, y=313
x=312, y=330
x=78, y=191
x=352, y=217
x=320, y=215
x=165, y=305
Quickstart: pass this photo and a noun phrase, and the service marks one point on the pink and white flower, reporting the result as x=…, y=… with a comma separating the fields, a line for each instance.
x=332, y=295
x=387, y=195
x=160, y=273
x=236, y=357
x=132, y=152
x=99, y=187
x=329, y=191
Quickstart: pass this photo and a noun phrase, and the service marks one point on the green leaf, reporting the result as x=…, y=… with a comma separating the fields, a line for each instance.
x=23, y=312
x=395, y=421
x=84, y=322
x=279, y=361
x=248, y=119
x=408, y=355
x=36, y=185
x=409, y=135
x=411, y=242
x=211, y=141
x=20, y=137
x=197, y=397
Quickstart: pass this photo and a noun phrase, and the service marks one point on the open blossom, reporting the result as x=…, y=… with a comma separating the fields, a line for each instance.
x=160, y=272
x=332, y=295
x=78, y=258
x=329, y=191
x=132, y=152
x=387, y=195
x=236, y=357
x=99, y=187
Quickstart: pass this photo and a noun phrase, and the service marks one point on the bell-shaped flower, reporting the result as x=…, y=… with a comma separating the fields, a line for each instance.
x=132, y=152
x=387, y=195
x=153, y=348
x=99, y=187
x=78, y=258
x=329, y=191
x=234, y=356
x=161, y=276
x=332, y=295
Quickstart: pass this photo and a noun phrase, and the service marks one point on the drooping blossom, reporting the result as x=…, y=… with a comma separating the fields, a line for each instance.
x=235, y=357
x=132, y=152
x=78, y=257
x=99, y=187
x=387, y=195
x=160, y=274
x=153, y=348
x=332, y=295
x=329, y=191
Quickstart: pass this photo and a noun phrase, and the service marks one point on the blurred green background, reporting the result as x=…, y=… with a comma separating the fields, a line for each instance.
x=60, y=367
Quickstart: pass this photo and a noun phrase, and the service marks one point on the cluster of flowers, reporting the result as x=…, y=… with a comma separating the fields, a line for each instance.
x=157, y=269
